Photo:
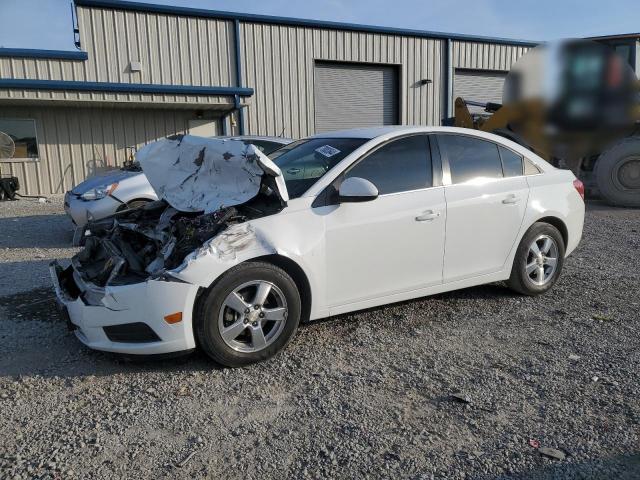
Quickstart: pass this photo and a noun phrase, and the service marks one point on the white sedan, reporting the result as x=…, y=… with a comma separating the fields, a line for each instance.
x=338, y=222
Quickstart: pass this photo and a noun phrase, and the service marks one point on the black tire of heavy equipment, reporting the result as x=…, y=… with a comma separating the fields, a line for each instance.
x=604, y=171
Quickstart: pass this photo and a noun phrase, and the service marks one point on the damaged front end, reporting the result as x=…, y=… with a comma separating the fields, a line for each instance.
x=208, y=188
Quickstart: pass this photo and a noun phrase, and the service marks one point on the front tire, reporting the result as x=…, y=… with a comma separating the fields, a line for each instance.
x=249, y=315
x=538, y=261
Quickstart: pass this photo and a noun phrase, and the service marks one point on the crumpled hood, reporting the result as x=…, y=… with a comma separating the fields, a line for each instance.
x=105, y=178
x=195, y=174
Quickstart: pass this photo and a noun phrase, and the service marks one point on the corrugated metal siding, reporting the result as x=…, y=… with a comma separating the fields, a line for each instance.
x=278, y=62
x=173, y=50
x=75, y=143
x=485, y=56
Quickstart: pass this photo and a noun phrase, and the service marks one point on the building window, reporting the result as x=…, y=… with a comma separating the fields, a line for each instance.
x=19, y=140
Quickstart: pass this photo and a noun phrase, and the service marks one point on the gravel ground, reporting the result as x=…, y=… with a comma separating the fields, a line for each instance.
x=361, y=395
x=32, y=234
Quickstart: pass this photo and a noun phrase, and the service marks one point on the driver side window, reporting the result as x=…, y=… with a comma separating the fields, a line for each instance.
x=399, y=166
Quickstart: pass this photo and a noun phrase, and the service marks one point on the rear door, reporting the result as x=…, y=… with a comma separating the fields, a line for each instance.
x=486, y=201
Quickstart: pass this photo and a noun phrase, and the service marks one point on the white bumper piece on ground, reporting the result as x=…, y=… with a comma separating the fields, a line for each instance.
x=134, y=316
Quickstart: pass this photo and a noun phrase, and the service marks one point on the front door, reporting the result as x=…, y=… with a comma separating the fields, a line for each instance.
x=394, y=243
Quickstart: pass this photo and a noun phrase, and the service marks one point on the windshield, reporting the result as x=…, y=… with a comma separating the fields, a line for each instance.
x=305, y=161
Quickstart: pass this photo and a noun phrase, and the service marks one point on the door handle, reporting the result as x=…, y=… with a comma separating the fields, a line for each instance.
x=427, y=216
x=293, y=171
x=510, y=199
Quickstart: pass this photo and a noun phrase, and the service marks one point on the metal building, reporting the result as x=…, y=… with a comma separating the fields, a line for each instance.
x=143, y=71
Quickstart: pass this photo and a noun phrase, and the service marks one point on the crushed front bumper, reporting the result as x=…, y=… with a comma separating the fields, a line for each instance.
x=127, y=319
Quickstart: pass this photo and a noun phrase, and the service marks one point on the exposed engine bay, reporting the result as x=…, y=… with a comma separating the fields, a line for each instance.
x=206, y=186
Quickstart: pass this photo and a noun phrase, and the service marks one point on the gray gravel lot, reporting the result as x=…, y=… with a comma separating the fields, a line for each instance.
x=31, y=235
x=361, y=395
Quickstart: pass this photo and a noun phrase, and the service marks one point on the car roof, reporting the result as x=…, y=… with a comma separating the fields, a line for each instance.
x=382, y=134
x=375, y=132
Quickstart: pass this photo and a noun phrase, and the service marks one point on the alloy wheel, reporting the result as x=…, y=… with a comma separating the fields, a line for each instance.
x=542, y=260
x=252, y=316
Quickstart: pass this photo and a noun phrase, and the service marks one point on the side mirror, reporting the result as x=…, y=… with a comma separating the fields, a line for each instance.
x=356, y=189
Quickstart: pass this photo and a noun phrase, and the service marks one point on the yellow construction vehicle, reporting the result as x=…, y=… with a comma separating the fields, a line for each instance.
x=589, y=123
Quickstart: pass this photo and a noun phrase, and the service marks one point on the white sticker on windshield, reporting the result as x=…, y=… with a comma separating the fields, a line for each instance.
x=327, y=150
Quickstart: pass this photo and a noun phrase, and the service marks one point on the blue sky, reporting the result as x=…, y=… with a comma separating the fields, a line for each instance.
x=47, y=23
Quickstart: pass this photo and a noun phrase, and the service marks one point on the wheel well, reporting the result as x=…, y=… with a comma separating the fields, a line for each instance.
x=559, y=224
x=298, y=276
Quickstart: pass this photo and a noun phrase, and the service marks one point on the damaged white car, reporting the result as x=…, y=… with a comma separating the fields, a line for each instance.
x=241, y=249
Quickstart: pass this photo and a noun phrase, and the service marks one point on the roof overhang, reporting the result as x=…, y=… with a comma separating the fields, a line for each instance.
x=79, y=86
x=621, y=36
x=50, y=54
x=301, y=22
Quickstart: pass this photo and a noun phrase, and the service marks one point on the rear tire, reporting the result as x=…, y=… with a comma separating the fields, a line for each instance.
x=617, y=173
x=538, y=261
x=249, y=315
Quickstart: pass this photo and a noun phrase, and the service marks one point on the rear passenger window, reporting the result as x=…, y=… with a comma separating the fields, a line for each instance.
x=470, y=158
x=511, y=162
x=399, y=166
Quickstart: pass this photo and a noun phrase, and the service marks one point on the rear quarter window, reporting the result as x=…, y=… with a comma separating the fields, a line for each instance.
x=530, y=168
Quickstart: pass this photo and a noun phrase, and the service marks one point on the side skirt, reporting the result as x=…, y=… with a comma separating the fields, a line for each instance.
x=422, y=292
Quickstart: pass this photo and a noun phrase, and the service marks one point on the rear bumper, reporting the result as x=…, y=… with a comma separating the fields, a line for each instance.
x=90, y=310
x=575, y=224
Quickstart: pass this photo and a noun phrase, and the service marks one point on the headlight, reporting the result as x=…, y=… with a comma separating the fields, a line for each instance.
x=99, y=192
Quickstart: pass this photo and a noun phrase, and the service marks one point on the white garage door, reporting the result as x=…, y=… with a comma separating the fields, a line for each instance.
x=480, y=85
x=352, y=96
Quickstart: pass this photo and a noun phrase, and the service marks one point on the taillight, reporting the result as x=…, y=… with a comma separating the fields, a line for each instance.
x=579, y=186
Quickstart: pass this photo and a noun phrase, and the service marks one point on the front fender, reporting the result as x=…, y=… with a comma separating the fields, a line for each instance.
x=297, y=236
x=237, y=244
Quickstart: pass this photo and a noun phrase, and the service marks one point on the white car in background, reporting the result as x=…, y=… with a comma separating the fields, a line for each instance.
x=343, y=221
x=103, y=195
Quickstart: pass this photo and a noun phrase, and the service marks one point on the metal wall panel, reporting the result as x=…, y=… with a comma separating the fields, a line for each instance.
x=75, y=143
x=486, y=56
x=278, y=62
x=173, y=50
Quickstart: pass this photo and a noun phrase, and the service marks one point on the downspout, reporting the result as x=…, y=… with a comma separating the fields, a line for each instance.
x=449, y=79
x=75, y=26
x=238, y=55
